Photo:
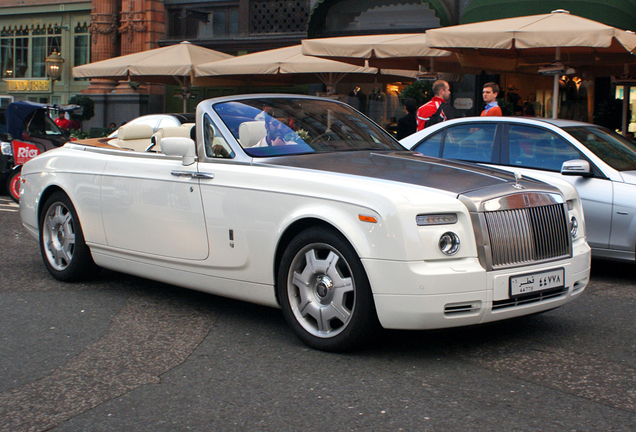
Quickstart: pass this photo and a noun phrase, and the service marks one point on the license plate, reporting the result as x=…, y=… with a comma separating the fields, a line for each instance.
x=534, y=282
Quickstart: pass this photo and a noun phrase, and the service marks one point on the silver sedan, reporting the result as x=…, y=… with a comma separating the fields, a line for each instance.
x=600, y=163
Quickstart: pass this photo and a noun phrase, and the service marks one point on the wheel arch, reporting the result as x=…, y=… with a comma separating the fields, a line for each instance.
x=44, y=196
x=292, y=231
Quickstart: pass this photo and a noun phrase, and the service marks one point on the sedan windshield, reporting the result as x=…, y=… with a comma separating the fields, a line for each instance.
x=283, y=126
x=615, y=150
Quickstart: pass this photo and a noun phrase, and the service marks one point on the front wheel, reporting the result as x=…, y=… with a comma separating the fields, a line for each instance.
x=324, y=292
x=13, y=185
x=62, y=245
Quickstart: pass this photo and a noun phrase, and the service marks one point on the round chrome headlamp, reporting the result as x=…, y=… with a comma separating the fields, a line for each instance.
x=449, y=243
x=574, y=227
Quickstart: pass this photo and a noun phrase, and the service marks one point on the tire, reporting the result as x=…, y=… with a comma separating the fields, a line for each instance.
x=13, y=185
x=324, y=292
x=62, y=245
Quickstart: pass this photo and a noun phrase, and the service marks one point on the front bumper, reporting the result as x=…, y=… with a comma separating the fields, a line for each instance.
x=454, y=293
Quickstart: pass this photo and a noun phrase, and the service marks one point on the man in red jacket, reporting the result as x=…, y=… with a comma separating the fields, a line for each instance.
x=441, y=91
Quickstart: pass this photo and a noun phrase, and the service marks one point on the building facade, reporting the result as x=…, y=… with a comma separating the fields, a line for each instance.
x=94, y=30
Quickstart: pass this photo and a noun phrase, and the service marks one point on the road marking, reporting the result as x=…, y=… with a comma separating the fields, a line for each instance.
x=8, y=205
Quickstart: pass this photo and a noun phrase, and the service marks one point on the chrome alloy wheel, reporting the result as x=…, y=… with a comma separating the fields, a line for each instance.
x=58, y=236
x=321, y=290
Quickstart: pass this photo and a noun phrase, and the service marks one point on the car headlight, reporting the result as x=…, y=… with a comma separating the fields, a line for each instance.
x=574, y=227
x=6, y=149
x=436, y=219
x=449, y=243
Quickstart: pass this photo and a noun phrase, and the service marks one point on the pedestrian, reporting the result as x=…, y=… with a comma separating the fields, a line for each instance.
x=490, y=92
x=436, y=107
x=61, y=121
x=407, y=125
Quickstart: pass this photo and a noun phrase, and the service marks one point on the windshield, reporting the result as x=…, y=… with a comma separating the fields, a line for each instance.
x=283, y=126
x=615, y=150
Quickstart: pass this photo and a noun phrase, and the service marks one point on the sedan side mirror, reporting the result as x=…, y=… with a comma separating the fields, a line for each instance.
x=179, y=146
x=576, y=167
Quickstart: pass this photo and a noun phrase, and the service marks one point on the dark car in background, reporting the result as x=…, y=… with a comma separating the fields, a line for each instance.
x=26, y=130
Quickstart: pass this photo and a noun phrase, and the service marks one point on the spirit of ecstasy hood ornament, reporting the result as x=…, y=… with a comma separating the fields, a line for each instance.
x=517, y=178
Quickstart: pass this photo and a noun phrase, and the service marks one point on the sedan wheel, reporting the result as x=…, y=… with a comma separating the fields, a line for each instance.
x=62, y=245
x=324, y=292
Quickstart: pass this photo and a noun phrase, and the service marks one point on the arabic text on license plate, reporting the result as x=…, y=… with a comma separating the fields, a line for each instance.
x=530, y=283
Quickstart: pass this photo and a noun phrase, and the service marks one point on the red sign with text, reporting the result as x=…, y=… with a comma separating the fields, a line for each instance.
x=23, y=151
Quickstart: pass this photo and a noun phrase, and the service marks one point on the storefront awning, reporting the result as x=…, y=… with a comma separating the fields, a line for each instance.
x=616, y=13
x=321, y=8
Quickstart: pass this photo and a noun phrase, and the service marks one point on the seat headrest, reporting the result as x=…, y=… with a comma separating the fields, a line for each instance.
x=250, y=133
x=134, y=131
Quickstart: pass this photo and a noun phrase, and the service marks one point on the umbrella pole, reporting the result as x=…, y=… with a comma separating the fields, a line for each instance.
x=555, y=88
x=626, y=94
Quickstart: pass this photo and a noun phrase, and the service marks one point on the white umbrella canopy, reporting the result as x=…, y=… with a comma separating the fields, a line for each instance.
x=278, y=65
x=526, y=43
x=166, y=65
x=396, y=51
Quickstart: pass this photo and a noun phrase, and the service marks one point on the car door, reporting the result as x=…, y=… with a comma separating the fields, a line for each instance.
x=541, y=150
x=152, y=204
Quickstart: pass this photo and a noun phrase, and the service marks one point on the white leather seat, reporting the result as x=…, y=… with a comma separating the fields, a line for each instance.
x=168, y=131
x=250, y=133
x=134, y=136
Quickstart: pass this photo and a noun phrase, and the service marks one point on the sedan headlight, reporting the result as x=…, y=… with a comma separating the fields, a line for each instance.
x=5, y=148
x=449, y=243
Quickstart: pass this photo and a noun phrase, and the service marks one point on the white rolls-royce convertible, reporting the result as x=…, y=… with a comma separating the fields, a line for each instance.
x=303, y=203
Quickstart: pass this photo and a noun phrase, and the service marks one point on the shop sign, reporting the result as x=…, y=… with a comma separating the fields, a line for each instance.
x=37, y=85
x=463, y=103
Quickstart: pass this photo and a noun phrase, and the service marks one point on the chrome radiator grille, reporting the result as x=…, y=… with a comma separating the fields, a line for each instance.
x=526, y=235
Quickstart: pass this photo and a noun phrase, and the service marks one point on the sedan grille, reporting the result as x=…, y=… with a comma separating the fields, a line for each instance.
x=527, y=235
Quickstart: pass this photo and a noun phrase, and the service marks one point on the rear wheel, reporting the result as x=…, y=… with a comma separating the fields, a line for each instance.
x=324, y=292
x=62, y=245
x=13, y=185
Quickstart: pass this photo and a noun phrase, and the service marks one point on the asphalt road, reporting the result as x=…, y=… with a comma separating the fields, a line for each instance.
x=127, y=354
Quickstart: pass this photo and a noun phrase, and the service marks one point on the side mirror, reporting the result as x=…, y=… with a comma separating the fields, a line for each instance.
x=179, y=146
x=576, y=167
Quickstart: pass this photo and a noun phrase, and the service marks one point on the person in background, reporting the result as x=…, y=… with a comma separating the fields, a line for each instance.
x=112, y=126
x=61, y=121
x=490, y=92
x=441, y=92
x=407, y=125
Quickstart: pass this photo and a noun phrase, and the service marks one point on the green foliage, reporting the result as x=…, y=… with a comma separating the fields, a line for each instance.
x=421, y=91
x=86, y=103
x=78, y=134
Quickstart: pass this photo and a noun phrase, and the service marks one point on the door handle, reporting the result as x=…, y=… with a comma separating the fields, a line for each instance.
x=201, y=175
x=182, y=173
x=192, y=174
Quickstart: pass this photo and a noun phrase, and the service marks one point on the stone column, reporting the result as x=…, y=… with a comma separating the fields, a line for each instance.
x=104, y=38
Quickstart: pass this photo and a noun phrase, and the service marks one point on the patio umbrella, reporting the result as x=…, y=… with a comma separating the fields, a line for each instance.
x=548, y=43
x=278, y=65
x=166, y=65
x=395, y=51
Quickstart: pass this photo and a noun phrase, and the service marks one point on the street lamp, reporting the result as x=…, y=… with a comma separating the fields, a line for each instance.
x=54, y=64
